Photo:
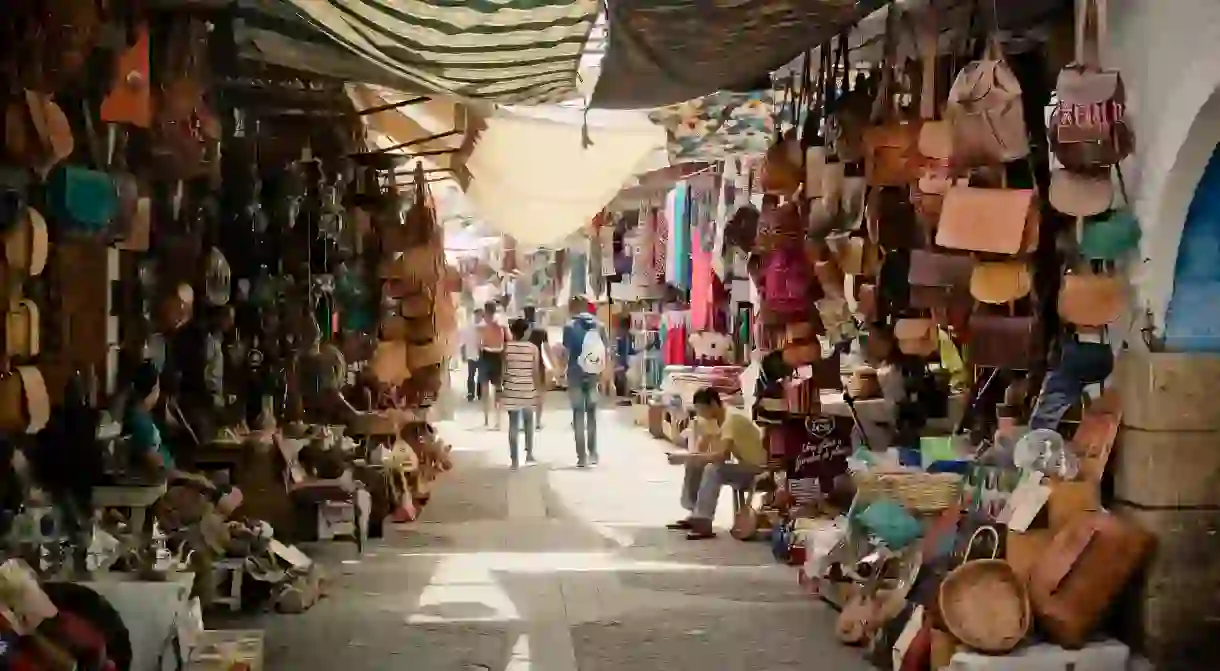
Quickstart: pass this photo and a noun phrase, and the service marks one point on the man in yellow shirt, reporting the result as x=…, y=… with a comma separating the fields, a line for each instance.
x=707, y=471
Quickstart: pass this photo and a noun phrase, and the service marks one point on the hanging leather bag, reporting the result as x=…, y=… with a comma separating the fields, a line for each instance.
x=917, y=337
x=985, y=113
x=24, y=403
x=935, y=135
x=37, y=134
x=27, y=243
x=130, y=98
x=1076, y=580
x=996, y=221
x=1091, y=299
x=21, y=330
x=1081, y=194
x=1002, y=341
x=1088, y=127
x=892, y=143
x=1113, y=236
x=1000, y=282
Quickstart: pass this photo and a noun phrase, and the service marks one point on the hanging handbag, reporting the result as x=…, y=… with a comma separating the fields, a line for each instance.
x=917, y=337
x=84, y=201
x=985, y=114
x=37, y=134
x=816, y=151
x=1000, y=282
x=937, y=269
x=892, y=155
x=27, y=244
x=22, y=329
x=1081, y=194
x=891, y=219
x=996, y=221
x=1091, y=300
x=786, y=282
x=130, y=98
x=419, y=304
x=1113, y=236
x=1076, y=580
x=1002, y=341
x=24, y=403
x=935, y=135
x=1088, y=127
x=389, y=362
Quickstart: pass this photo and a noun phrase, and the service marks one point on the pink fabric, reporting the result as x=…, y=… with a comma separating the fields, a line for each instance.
x=701, y=286
x=675, y=346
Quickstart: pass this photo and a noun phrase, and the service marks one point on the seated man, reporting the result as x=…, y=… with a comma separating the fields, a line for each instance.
x=708, y=467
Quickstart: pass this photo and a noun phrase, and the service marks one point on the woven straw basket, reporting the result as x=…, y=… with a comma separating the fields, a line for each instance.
x=918, y=492
x=984, y=602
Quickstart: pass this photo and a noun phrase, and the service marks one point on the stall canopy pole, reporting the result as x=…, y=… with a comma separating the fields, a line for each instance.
x=393, y=106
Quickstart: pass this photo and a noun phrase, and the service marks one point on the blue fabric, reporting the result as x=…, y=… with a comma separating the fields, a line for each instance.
x=145, y=436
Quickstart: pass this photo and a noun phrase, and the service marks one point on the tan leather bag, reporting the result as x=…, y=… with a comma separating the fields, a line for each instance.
x=1088, y=299
x=935, y=135
x=1081, y=194
x=419, y=304
x=780, y=174
x=891, y=144
x=996, y=221
x=830, y=277
x=1000, y=282
x=917, y=337
x=21, y=331
x=389, y=362
x=393, y=327
x=425, y=355
x=27, y=244
x=24, y=403
x=1076, y=580
x=985, y=114
x=1088, y=129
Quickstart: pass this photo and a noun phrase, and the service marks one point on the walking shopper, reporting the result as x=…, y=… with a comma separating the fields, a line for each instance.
x=470, y=354
x=539, y=338
x=491, y=362
x=709, y=470
x=584, y=342
x=522, y=382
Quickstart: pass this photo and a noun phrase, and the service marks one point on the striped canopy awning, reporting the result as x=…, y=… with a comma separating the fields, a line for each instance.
x=502, y=51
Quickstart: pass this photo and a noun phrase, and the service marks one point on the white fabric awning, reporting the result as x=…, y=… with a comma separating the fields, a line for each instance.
x=532, y=178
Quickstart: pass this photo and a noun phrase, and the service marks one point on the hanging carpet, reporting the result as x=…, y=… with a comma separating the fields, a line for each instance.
x=518, y=52
x=666, y=51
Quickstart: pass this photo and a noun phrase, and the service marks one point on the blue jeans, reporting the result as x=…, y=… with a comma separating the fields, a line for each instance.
x=518, y=420
x=702, y=483
x=582, y=394
x=1080, y=364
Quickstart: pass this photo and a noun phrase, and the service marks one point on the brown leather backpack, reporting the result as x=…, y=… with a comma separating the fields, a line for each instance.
x=1089, y=129
x=985, y=114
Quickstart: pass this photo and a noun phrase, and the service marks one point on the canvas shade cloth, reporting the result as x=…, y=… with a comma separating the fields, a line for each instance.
x=412, y=123
x=663, y=52
x=719, y=126
x=530, y=176
x=526, y=51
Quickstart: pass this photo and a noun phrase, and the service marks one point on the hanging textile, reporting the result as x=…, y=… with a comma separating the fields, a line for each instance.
x=719, y=126
x=661, y=53
x=495, y=52
x=701, y=285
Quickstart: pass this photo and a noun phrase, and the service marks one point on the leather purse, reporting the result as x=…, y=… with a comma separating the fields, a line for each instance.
x=891, y=219
x=996, y=221
x=421, y=329
x=802, y=354
x=1076, y=580
x=419, y=304
x=84, y=201
x=830, y=277
x=22, y=329
x=1081, y=194
x=892, y=155
x=424, y=355
x=24, y=403
x=1091, y=300
x=130, y=98
x=781, y=175
x=985, y=114
x=1088, y=128
x=393, y=327
x=1001, y=341
x=935, y=135
x=37, y=134
x=389, y=362
x=937, y=269
x=1000, y=282
x=917, y=337
x=27, y=244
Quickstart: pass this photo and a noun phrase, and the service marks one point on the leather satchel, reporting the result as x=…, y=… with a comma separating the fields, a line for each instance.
x=781, y=175
x=1081, y=194
x=27, y=244
x=1000, y=341
x=1076, y=580
x=37, y=134
x=985, y=113
x=891, y=145
x=130, y=98
x=1091, y=300
x=21, y=329
x=24, y=403
x=84, y=201
x=1088, y=127
x=891, y=219
x=389, y=362
x=420, y=304
x=917, y=337
x=937, y=269
x=1000, y=282
x=996, y=221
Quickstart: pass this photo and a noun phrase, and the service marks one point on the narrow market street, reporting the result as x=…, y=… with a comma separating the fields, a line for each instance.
x=553, y=568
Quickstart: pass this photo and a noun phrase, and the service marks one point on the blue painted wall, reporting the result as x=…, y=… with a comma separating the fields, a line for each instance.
x=1192, y=323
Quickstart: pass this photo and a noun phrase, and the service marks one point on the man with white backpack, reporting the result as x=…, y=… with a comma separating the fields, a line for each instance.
x=584, y=341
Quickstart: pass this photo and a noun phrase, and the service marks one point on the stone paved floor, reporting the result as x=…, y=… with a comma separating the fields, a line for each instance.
x=552, y=568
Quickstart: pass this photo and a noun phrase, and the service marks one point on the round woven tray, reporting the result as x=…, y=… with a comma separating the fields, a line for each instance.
x=985, y=605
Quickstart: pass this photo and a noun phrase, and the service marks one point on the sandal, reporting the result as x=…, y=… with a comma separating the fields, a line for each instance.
x=700, y=535
x=680, y=525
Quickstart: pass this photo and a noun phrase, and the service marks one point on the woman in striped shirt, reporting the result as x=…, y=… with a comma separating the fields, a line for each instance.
x=520, y=389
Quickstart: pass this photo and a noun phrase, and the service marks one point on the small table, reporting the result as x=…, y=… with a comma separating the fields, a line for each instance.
x=139, y=499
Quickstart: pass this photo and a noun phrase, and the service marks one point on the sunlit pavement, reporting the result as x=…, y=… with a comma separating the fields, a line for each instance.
x=554, y=568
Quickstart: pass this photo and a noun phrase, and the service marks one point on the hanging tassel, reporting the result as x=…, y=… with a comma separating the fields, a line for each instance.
x=585, y=140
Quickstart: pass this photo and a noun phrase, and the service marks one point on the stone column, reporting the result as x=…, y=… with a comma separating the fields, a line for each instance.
x=1166, y=469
